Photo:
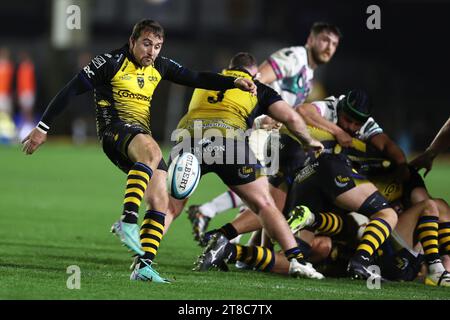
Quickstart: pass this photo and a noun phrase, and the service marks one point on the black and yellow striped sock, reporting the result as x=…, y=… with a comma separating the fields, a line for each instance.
x=427, y=233
x=137, y=182
x=444, y=238
x=259, y=258
x=152, y=230
x=328, y=224
x=377, y=231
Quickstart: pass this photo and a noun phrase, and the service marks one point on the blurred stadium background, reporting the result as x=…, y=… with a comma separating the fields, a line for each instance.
x=403, y=66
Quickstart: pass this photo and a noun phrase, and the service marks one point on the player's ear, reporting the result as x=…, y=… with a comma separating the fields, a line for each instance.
x=131, y=42
x=310, y=39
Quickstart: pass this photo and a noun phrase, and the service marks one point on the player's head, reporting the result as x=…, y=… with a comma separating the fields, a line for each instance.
x=146, y=41
x=353, y=111
x=323, y=41
x=244, y=60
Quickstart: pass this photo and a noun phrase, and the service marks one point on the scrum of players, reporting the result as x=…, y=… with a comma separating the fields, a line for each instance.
x=354, y=204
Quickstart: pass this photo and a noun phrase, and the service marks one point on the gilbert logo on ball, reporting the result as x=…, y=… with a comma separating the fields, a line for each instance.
x=183, y=176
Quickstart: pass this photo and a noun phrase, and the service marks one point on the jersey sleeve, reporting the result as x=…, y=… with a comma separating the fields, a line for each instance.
x=99, y=71
x=266, y=96
x=287, y=62
x=369, y=129
x=327, y=108
x=174, y=72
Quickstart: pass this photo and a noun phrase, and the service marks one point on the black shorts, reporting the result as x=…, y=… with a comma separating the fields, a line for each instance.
x=318, y=184
x=415, y=181
x=115, y=140
x=292, y=158
x=231, y=159
x=398, y=265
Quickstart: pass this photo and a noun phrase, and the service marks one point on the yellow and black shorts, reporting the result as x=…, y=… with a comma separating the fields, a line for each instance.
x=115, y=141
x=231, y=159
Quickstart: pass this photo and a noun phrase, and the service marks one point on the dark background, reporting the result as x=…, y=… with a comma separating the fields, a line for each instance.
x=404, y=66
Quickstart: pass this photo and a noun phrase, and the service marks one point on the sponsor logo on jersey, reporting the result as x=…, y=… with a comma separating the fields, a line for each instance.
x=401, y=263
x=125, y=77
x=341, y=182
x=306, y=172
x=98, y=61
x=244, y=172
x=130, y=95
x=152, y=78
x=88, y=71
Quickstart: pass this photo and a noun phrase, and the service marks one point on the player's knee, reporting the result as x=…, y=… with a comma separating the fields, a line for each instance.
x=150, y=154
x=443, y=208
x=389, y=215
x=263, y=203
x=374, y=204
x=430, y=208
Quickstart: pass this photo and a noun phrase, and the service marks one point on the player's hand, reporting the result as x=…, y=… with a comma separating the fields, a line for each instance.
x=267, y=123
x=245, y=85
x=423, y=161
x=315, y=145
x=344, y=139
x=33, y=140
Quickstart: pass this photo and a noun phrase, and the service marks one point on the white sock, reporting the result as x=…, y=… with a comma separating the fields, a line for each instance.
x=225, y=201
x=436, y=267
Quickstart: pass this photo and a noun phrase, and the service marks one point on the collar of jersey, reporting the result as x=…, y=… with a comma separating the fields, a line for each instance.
x=237, y=73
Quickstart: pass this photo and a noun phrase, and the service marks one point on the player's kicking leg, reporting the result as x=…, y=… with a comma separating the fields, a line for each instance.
x=145, y=155
x=144, y=178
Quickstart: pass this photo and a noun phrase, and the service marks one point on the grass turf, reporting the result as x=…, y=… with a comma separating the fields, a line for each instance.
x=56, y=209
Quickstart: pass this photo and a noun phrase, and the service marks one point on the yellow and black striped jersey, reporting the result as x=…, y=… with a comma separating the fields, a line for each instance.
x=123, y=89
x=230, y=109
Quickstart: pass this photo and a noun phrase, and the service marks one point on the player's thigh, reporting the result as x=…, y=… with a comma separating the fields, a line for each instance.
x=278, y=195
x=255, y=194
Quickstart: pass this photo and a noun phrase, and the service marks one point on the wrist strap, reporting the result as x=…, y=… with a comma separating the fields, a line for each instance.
x=42, y=127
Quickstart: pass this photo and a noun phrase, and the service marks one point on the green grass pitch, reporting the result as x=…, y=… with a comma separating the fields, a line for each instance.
x=56, y=209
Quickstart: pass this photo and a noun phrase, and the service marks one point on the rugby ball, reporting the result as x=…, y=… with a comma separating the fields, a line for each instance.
x=183, y=176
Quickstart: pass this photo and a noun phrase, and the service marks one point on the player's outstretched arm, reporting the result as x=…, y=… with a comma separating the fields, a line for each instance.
x=313, y=118
x=204, y=80
x=282, y=112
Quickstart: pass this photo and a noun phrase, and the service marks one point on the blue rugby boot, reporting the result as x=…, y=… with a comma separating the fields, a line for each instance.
x=143, y=271
x=128, y=234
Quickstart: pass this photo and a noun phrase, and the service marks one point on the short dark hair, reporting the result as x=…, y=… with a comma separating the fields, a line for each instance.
x=356, y=104
x=150, y=25
x=242, y=60
x=319, y=27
